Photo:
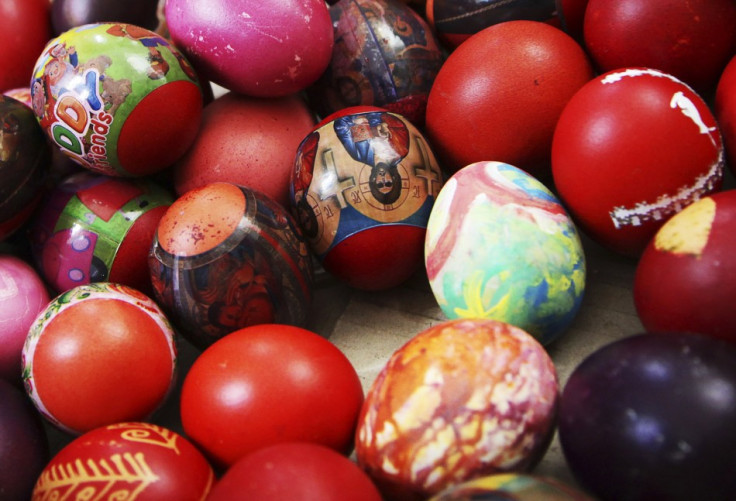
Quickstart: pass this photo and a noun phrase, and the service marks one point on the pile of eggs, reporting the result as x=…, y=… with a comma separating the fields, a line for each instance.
x=188, y=173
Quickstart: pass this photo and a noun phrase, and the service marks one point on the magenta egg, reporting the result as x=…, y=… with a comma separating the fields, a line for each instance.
x=254, y=47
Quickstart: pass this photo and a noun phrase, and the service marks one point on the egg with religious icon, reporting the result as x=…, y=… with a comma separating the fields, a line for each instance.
x=500, y=245
x=226, y=257
x=363, y=185
x=117, y=98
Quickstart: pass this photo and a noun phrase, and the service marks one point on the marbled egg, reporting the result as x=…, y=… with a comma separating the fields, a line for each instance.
x=500, y=245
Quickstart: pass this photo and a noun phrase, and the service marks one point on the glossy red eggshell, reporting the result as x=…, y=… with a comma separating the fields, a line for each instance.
x=499, y=95
x=691, y=40
x=269, y=384
x=295, y=470
x=247, y=141
x=25, y=27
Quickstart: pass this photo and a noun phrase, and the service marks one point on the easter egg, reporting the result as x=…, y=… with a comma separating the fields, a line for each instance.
x=118, y=99
x=270, y=384
x=127, y=460
x=226, y=257
x=96, y=228
x=632, y=148
x=499, y=95
x=686, y=275
x=22, y=94
x=363, y=185
x=693, y=41
x=500, y=245
x=248, y=141
x=294, y=470
x=385, y=55
x=287, y=44
x=724, y=108
x=67, y=14
x=22, y=297
x=651, y=416
x=98, y=354
x=26, y=27
x=511, y=487
x=572, y=17
x=24, y=164
x=461, y=399
x=456, y=20
x=24, y=447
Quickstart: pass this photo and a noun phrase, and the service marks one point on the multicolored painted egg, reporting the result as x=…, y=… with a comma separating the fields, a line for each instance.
x=687, y=273
x=99, y=354
x=363, y=186
x=385, y=55
x=500, y=245
x=22, y=297
x=117, y=98
x=461, y=399
x=128, y=460
x=25, y=157
x=226, y=257
x=455, y=21
x=633, y=147
x=95, y=228
x=511, y=487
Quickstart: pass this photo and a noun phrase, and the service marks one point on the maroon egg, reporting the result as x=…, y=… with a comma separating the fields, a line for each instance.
x=286, y=43
x=724, y=108
x=24, y=447
x=691, y=40
x=686, y=276
x=66, y=14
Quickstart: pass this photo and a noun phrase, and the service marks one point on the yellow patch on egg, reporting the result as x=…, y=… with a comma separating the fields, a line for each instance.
x=687, y=232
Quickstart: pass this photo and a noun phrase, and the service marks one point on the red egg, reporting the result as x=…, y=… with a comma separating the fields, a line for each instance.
x=572, y=16
x=127, y=460
x=22, y=297
x=461, y=399
x=99, y=354
x=687, y=274
x=25, y=27
x=261, y=48
x=691, y=40
x=270, y=384
x=295, y=471
x=246, y=141
x=363, y=185
x=724, y=107
x=632, y=148
x=499, y=95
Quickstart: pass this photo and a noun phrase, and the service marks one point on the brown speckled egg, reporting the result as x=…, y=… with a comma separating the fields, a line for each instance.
x=461, y=399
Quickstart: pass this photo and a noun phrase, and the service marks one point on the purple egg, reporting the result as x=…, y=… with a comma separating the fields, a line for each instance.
x=24, y=447
x=652, y=416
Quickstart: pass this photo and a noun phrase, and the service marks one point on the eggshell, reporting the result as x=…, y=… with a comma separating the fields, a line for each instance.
x=724, y=108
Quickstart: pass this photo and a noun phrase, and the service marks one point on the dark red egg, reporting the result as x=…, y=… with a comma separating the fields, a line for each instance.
x=98, y=354
x=246, y=141
x=499, y=95
x=724, y=107
x=24, y=446
x=117, y=98
x=572, y=16
x=25, y=156
x=226, y=257
x=22, y=297
x=687, y=273
x=632, y=148
x=455, y=21
x=691, y=40
x=95, y=228
x=66, y=14
x=385, y=55
x=25, y=27
x=363, y=185
x=651, y=416
x=127, y=460
x=269, y=384
x=263, y=48
x=294, y=470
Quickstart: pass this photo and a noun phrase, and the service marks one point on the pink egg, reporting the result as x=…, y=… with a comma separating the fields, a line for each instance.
x=22, y=296
x=254, y=47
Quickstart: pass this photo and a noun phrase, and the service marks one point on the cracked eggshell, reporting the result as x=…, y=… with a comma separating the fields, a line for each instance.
x=254, y=47
x=633, y=147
